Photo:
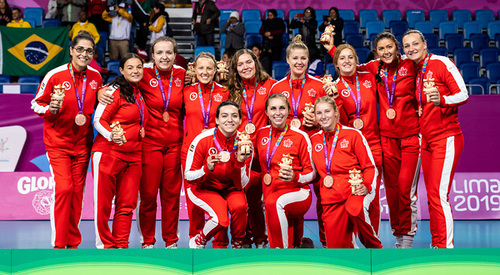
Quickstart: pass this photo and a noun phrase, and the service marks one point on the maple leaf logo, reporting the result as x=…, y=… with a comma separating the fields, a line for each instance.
x=218, y=97
x=344, y=143
x=367, y=84
x=178, y=82
x=288, y=143
x=312, y=93
x=403, y=71
x=93, y=84
x=262, y=91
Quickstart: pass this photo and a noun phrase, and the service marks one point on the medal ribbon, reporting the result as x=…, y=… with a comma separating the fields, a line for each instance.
x=250, y=107
x=419, y=80
x=295, y=104
x=79, y=100
x=269, y=157
x=328, y=159
x=167, y=100
x=390, y=94
x=217, y=144
x=357, y=101
x=141, y=107
x=205, y=113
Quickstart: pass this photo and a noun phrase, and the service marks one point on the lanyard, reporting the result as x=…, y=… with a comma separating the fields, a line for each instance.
x=357, y=101
x=419, y=80
x=328, y=159
x=141, y=107
x=79, y=100
x=249, y=107
x=205, y=113
x=269, y=157
x=167, y=100
x=217, y=144
x=295, y=104
x=390, y=94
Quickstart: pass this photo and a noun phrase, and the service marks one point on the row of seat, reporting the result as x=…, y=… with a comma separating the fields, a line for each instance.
x=29, y=83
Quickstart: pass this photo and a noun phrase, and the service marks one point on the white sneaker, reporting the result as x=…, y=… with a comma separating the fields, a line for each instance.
x=197, y=242
x=261, y=245
x=148, y=246
x=172, y=246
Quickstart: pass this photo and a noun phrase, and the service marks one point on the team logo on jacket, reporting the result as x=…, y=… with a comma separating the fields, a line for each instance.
x=262, y=91
x=288, y=143
x=367, y=84
x=212, y=151
x=318, y=147
x=264, y=140
x=153, y=82
x=178, y=82
x=403, y=71
x=345, y=93
x=344, y=143
x=218, y=98
x=193, y=96
x=191, y=148
x=286, y=93
x=429, y=74
x=66, y=85
x=93, y=84
x=312, y=93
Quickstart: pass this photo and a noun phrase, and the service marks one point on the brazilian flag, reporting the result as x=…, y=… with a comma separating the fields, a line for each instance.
x=32, y=51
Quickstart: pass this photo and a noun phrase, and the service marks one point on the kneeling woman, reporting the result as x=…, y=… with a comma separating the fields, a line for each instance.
x=116, y=158
x=339, y=152
x=285, y=159
x=217, y=169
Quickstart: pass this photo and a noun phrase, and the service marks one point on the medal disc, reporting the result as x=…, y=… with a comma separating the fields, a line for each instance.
x=358, y=123
x=296, y=123
x=328, y=181
x=250, y=128
x=267, y=179
x=420, y=111
x=391, y=113
x=80, y=119
x=143, y=132
x=224, y=156
x=166, y=116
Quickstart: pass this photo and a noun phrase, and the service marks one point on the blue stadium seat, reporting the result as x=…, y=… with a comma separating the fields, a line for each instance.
x=469, y=70
x=27, y=80
x=493, y=71
x=453, y=41
x=253, y=39
x=374, y=27
x=447, y=27
x=398, y=27
x=438, y=16
x=493, y=28
x=357, y=40
x=399, y=38
x=425, y=26
x=252, y=26
x=463, y=55
x=34, y=13
x=479, y=86
x=250, y=14
x=281, y=13
x=330, y=69
x=222, y=40
x=479, y=41
x=351, y=26
x=485, y=17
x=497, y=40
x=113, y=67
x=200, y=49
x=367, y=15
x=439, y=51
x=32, y=22
x=390, y=15
x=347, y=14
x=487, y=56
x=293, y=12
x=51, y=22
x=224, y=16
x=319, y=15
x=363, y=54
x=461, y=16
x=432, y=40
x=413, y=16
x=471, y=27
x=280, y=69
x=4, y=79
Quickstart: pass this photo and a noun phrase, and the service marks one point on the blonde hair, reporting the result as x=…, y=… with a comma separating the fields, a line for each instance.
x=296, y=44
x=326, y=99
x=339, y=49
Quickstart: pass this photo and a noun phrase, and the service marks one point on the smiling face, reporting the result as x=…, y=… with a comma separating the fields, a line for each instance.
x=246, y=67
x=164, y=55
x=277, y=111
x=298, y=60
x=326, y=116
x=414, y=47
x=205, y=70
x=132, y=70
x=387, y=50
x=346, y=62
x=80, y=56
x=228, y=120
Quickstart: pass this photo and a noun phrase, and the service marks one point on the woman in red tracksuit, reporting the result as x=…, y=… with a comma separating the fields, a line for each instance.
x=398, y=121
x=116, y=158
x=249, y=86
x=442, y=139
x=200, y=102
x=217, y=170
x=287, y=196
x=68, y=135
x=162, y=87
x=337, y=151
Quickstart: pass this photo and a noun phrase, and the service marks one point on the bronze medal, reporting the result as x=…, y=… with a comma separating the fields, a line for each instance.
x=390, y=113
x=267, y=179
x=143, y=132
x=250, y=128
x=328, y=181
x=420, y=111
x=224, y=156
x=358, y=123
x=296, y=123
x=166, y=116
x=80, y=119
